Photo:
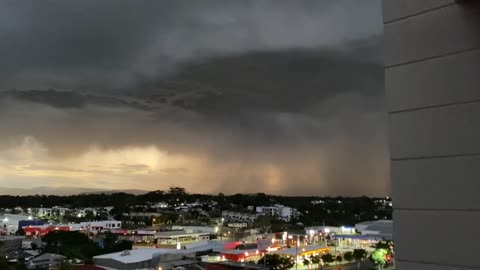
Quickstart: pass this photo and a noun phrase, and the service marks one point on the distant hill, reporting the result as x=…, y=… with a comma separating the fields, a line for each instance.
x=63, y=191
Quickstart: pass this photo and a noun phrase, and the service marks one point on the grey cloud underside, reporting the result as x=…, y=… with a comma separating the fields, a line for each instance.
x=286, y=81
x=271, y=96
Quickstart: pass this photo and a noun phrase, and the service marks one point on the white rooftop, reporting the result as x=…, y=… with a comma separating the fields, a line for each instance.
x=137, y=255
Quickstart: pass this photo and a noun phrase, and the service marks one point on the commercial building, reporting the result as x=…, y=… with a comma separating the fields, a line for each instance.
x=156, y=258
x=93, y=227
x=96, y=226
x=324, y=230
x=382, y=228
x=41, y=230
x=284, y=213
x=9, y=223
x=241, y=255
x=202, y=229
x=432, y=63
x=145, y=258
x=180, y=238
x=136, y=236
x=300, y=252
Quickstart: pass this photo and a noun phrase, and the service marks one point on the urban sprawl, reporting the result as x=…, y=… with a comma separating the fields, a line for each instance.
x=173, y=229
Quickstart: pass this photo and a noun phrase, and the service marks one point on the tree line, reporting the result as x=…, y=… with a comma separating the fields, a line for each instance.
x=332, y=210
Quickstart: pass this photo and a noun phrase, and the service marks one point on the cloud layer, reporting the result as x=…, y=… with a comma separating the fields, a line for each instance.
x=228, y=96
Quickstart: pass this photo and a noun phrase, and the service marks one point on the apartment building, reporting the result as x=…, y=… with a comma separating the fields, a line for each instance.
x=432, y=67
x=239, y=217
x=284, y=213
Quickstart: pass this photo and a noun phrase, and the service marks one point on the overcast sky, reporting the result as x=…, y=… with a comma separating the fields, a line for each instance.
x=282, y=97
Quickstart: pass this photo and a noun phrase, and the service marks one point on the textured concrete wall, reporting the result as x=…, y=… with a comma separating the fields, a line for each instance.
x=432, y=58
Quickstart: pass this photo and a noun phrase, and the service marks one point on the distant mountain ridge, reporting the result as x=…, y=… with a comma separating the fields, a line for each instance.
x=64, y=191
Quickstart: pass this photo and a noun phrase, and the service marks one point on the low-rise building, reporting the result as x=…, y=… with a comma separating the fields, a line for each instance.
x=180, y=238
x=46, y=261
x=284, y=213
x=48, y=212
x=329, y=229
x=9, y=223
x=83, y=212
x=145, y=258
x=377, y=227
x=196, y=229
x=93, y=227
x=239, y=217
x=97, y=226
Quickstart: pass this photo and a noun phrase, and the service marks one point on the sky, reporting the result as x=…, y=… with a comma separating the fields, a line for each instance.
x=275, y=96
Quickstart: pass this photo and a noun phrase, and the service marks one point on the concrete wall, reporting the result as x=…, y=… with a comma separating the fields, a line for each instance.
x=432, y=58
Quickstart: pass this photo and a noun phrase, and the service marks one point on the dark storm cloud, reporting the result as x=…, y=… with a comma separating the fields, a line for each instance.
x=293, y=88
x=110, y=42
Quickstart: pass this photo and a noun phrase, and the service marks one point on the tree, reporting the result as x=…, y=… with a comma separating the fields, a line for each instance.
x=3, y=262
x=316, y=260
x=328, y=258
x=20, y=266
x=112, y=244
x=339, y=259
x=277, y=262
x=306, y=262
x=348, y=256
x=65, y=265
x=379, y=257
x=387, y=245
x=3, y=258
x=359, y=255
x=179, y=191
x=89, y=215
x=71, y=245
x=264, y=223
x=109, y=241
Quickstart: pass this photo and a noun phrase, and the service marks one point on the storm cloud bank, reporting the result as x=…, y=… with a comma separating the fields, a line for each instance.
x=223, y=96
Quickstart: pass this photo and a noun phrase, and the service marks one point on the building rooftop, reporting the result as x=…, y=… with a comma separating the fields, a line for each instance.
x=373, y=237
x=48, y=257
x=137, y=255
x=178, y=233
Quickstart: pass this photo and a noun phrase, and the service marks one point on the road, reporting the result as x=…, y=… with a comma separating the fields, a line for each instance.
x=350, y=266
